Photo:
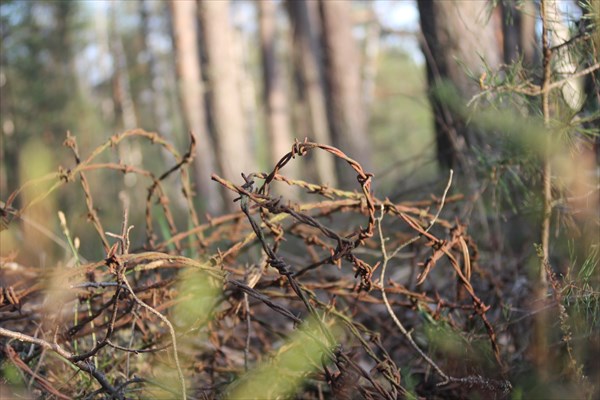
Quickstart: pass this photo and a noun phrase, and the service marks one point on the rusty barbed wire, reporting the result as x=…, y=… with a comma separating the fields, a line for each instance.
x=132, y=293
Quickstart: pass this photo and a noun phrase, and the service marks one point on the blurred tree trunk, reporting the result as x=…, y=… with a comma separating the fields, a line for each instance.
x=233, y=148
x=246, y=86
x=310, y=85
x=518, y=28
x=124, y=106
x=122, y=98
x=371, y=57
x=565, y=63
x=124, y=110
x=345, y=100
x=157, y=74
x=191, y=90
x=276, y=104
x=457, y=35
x=161, y=84
x=40, y=95
x=589, y=22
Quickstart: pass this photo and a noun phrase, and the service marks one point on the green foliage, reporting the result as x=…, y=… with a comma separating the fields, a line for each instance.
x=11, y=375
x=581, y=290
x=199, y=294
x=282, y=374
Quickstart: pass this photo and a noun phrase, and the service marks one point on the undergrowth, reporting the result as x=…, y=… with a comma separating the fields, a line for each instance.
x=339, y=294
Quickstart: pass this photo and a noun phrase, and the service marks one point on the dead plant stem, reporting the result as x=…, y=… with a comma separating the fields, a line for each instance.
x=82, y=365
x=171, y=331
x=407, y=334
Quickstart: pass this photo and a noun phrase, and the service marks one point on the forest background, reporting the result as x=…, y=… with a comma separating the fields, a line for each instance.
x=490, y=90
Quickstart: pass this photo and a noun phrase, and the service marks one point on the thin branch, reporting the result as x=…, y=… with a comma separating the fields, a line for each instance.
x=82, y=365
x=386, y=258
x=547, y=171
x=171, y=331
x=531, y=89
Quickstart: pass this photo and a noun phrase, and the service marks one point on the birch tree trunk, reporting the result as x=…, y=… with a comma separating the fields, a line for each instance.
x=191, y=90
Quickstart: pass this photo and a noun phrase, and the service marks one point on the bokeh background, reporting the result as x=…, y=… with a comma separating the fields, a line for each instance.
x=410, y=89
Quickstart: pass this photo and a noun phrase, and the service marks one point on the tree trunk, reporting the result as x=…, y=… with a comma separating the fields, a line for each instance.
x=457, y=35
x=276, y=104
x=588, y=23
x=246, y=87
x=191, y=90
x=347, y=117
x=233, y=147
x=371, y=57
x=122, y=97
x=306, y=49
x=157, y=72
x=125, y=112
x=518, y=28
x=565, y=63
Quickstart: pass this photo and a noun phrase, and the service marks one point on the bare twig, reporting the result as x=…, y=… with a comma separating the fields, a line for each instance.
x=122, y=277
x=385, y=260
x=82, y=365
